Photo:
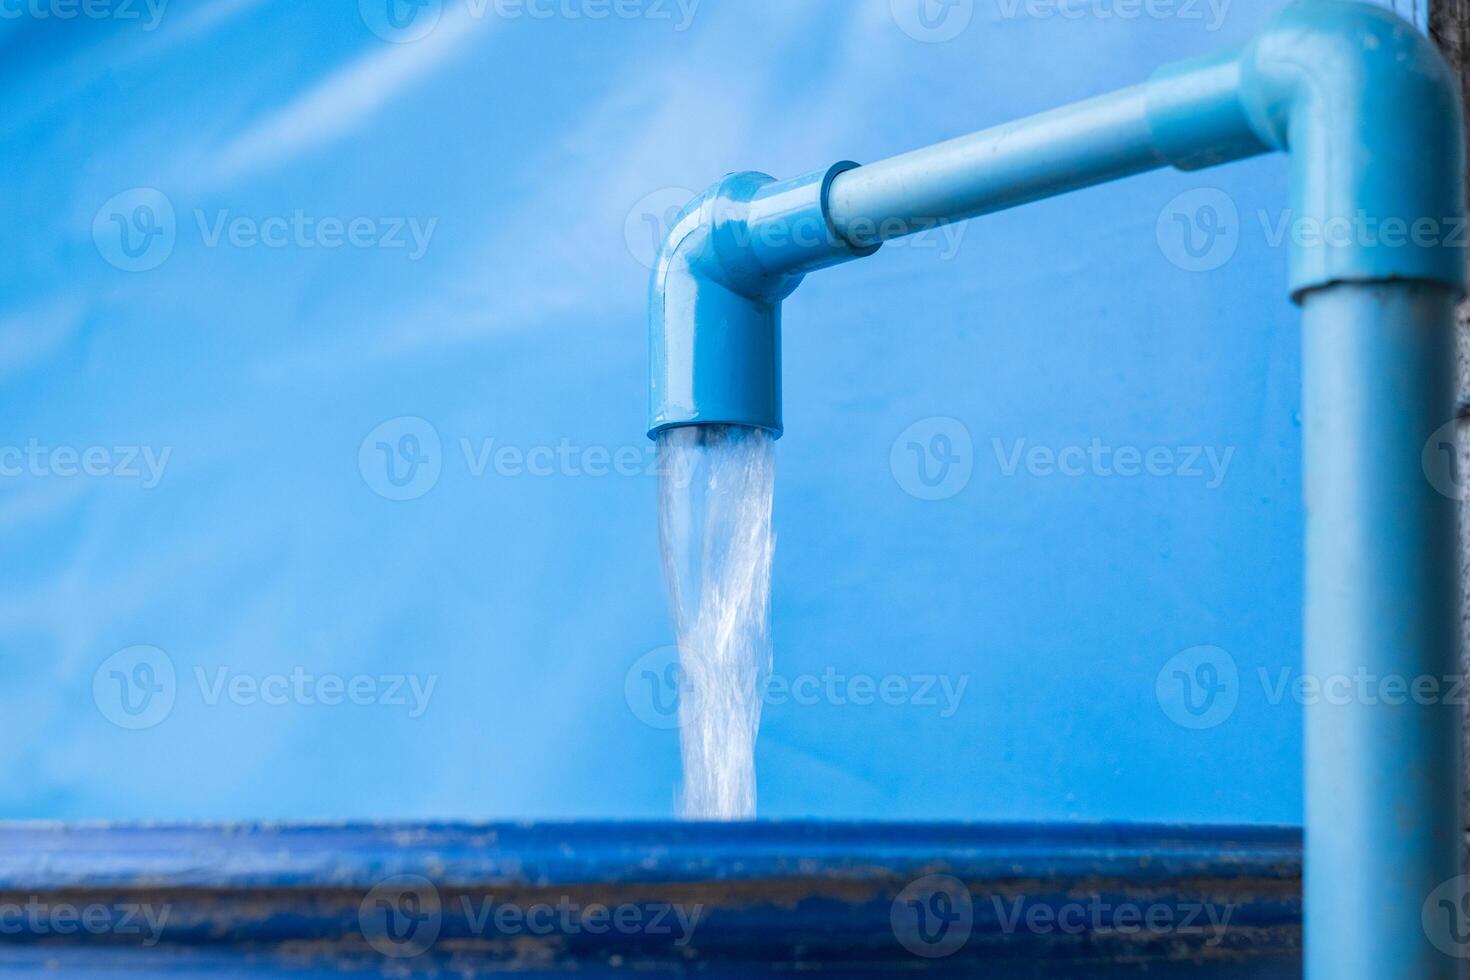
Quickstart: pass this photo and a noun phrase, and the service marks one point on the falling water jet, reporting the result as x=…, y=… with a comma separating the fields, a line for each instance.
x=715, y=492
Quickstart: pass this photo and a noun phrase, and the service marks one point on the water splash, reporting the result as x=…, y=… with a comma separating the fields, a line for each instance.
x=715, y=492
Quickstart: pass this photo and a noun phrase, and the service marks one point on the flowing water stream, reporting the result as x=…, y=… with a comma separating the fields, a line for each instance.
x=715, y=491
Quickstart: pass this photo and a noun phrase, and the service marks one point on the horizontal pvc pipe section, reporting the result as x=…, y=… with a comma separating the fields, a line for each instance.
x=1076, y=146
x=1383, y=822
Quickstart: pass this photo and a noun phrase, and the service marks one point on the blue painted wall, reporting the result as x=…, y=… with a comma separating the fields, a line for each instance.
x=225, y=357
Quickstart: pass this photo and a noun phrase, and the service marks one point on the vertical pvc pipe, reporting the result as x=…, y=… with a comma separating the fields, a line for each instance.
x=1382, y=741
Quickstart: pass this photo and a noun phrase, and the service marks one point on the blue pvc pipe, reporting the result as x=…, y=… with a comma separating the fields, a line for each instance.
x=1058, y=151
x=1370, y=116
x=1382, y=806
x=733, y=254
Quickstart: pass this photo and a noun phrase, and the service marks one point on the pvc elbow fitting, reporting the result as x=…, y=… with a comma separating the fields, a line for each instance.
x=732, y=256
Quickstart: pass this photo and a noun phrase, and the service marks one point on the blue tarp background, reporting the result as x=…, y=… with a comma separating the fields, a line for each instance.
x=272, y=267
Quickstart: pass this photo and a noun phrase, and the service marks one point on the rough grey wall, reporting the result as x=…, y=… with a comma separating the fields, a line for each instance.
x=1462, y=360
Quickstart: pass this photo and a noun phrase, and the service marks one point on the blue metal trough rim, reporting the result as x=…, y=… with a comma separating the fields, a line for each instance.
x=49, y=856
x=760, y=899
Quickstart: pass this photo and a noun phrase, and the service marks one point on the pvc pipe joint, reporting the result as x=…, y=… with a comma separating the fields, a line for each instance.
x=1370, y=115
x=1361, y=101
x=732, y=256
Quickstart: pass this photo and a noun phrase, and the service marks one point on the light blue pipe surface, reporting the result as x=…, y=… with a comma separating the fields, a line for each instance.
x=1369, y=114
x=1382, y=813
x=1066, y=149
